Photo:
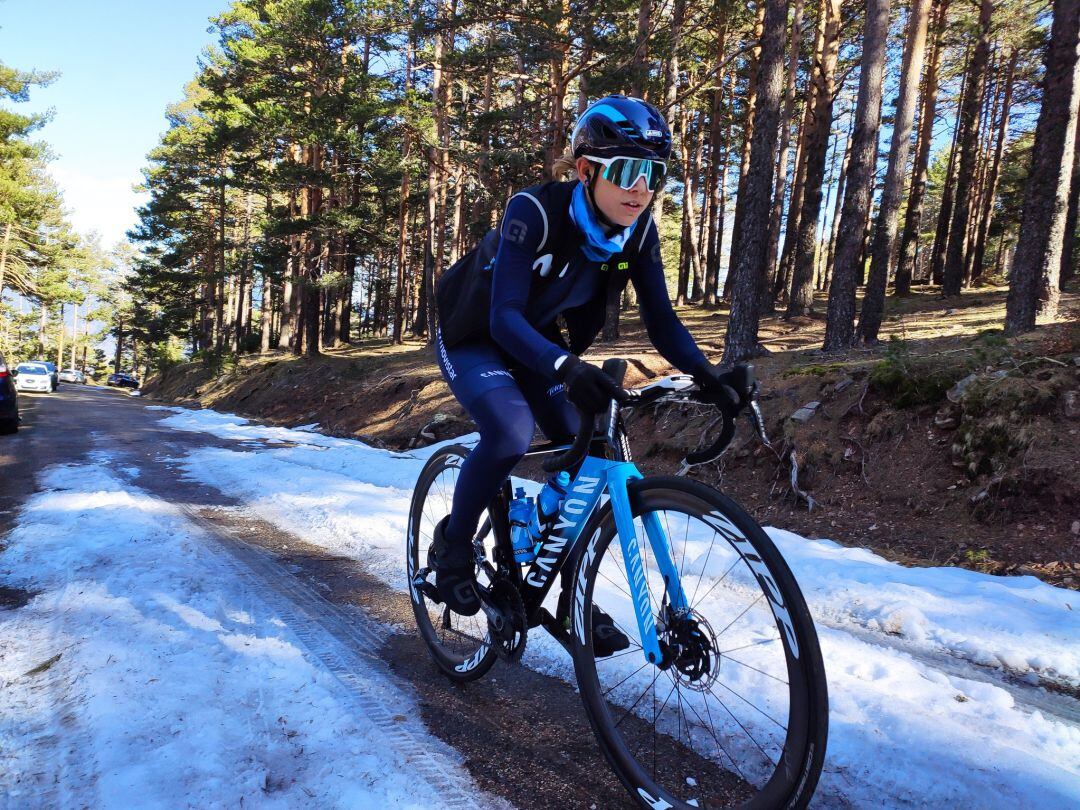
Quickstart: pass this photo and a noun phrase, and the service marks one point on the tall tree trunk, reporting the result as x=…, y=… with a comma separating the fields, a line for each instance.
x=722, y=213
x=74, y=334
x=314, y=254
x=838, y=204
x=712, y=183
x=222, y=248
x=969, y=143
x=60, y=341
x=1037, y=263
x=481, y=205
x=768, y=293
x=3, y=256
x=753, y=66
x=840, y=323
x=118, y=355
x=266, y=314
x=639, y=69
x=403, y=208
x=881, y=253
x=344, y=324
x=742, y=332
x=697, y=221
x=557, y=86
x=990, y=193
x=242, y=277
x=909, y=242
x=794, y=212
x=686, y=242
x=288, y=298
x=988, y=123
x=941, y=232
x=425, y=321
x=816, y=150
x=1068, y=247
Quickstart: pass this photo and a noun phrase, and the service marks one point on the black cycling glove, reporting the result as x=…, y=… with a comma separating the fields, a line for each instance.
x=588, y=387
x=729, y=390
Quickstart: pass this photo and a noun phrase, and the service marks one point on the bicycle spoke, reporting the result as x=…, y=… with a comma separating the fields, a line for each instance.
x=716, y=738
x=762, y=712
x=635, y=649
x=656, y=715
x=744, y=728
x=744, y=612
x=636, y=702
x=748, y=646
x=624, y=680
x=713, y=586
x=617, y=585
x=766, y=674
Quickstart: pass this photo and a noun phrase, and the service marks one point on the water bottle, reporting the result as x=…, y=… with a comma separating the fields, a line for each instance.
x=520, y=513
x=547, y=505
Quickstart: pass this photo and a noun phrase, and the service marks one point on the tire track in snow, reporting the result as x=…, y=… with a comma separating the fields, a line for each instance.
x=346, y=643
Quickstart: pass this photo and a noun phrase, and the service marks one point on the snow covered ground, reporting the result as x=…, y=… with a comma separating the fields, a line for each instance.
x=907, y=727
x=146, y=673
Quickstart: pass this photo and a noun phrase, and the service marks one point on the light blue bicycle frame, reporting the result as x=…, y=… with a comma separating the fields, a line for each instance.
x=597, y=476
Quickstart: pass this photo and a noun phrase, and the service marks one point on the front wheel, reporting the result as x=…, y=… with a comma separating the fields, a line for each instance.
x=736, y=712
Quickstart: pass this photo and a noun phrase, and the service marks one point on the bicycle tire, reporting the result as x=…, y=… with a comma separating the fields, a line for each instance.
x=439, y=627
x=797, y=768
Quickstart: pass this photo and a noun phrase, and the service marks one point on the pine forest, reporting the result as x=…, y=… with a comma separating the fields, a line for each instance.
x=331, y=158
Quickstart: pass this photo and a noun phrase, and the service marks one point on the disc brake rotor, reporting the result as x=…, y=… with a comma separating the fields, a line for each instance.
x=694, y=656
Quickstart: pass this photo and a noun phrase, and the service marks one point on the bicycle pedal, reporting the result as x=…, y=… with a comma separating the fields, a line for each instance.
x=428, y=589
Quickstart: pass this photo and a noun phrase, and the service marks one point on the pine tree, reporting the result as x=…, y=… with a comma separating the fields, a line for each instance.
x=839, y=326
x=1037, y=263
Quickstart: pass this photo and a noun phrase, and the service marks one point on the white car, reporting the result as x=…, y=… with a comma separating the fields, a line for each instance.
x=33, y=377
x=70, y=375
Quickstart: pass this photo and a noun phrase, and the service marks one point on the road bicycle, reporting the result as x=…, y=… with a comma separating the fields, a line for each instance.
x=720, y=699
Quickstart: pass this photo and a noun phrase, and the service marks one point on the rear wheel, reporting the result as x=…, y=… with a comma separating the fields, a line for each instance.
x=9, y=426
x=461, y=646
x=736, y=713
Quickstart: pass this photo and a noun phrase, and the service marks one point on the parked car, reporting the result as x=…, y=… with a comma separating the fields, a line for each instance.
x=33, y=377
x=9, y=400
x=70, y=375
x=53, y=375
x=122, y=380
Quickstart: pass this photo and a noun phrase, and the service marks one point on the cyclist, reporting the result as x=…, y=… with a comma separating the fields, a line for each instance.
x=561, y=250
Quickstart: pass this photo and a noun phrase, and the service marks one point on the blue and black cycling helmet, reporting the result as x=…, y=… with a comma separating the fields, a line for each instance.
x=622, y=126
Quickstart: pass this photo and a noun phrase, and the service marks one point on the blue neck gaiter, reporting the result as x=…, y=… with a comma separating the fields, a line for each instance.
x=598, y=246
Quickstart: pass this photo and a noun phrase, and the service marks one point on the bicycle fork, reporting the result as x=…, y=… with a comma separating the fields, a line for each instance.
x=619, y=475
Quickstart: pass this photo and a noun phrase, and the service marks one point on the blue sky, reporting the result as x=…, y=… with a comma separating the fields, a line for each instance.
x=122, y=62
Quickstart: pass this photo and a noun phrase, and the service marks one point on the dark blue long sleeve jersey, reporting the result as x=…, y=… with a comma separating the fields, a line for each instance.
x=538, y=275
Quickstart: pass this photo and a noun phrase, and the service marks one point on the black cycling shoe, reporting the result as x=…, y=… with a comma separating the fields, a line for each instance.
x=455, y=573
x=607, y=639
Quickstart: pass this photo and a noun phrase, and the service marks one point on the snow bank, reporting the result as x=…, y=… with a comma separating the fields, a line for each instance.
x=902, y=731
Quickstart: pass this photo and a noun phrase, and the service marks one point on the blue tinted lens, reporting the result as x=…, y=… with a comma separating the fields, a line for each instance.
x=624, y=172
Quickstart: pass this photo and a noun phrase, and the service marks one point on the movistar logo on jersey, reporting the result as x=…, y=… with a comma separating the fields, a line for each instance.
x=624, y=265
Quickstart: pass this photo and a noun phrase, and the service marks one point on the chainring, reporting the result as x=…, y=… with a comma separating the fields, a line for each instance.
x=505, y=597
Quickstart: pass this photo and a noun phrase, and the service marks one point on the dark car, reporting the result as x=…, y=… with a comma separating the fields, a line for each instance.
x=122, y=380
x=9, y=400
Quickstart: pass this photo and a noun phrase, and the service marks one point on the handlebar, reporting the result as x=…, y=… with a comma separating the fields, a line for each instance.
x=677, y=387
x=615, y=368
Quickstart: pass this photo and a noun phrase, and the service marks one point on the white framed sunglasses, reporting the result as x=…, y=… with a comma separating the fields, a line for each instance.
x=624, y=172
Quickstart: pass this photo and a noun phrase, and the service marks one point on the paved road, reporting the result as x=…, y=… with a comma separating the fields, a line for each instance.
x=523, y=736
